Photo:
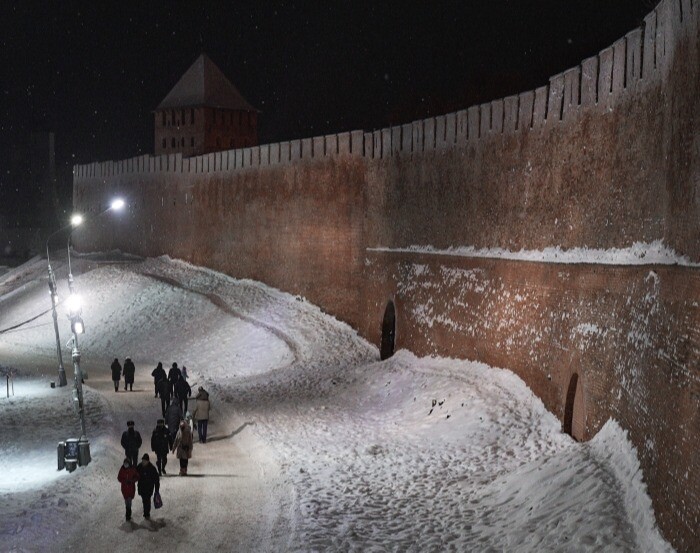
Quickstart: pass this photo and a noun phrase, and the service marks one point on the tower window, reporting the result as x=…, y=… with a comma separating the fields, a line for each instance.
x=172, y=142
x=192, y=141
x=182, y=141
x=163, y=118
x=165, y=143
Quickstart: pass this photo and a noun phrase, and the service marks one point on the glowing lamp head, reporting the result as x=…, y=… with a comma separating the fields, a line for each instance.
x=78, y=326
x=73, y=303
x=117, y=204
x=76, y=220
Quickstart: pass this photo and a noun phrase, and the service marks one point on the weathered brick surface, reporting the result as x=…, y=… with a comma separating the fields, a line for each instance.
x=630, y=333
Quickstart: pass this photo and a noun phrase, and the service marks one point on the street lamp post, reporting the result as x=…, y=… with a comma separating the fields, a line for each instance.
x=78, y=327
x=53, y=290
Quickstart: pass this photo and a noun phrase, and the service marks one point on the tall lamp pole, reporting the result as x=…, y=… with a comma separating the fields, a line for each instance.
x=78, y=327
x=53, y=290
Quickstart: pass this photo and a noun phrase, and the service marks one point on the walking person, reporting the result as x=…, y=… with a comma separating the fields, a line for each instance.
x=173, y=416
x=128, y=476
x=160, y=445
x=129, y=371
x=201, y=413
x=182, y=447
x=158, y=374
x=165, y=395
x=182, y=392
x=174, y=375
x=149, y=481
x=184, y=373
x=131, y=442
x=116, y=373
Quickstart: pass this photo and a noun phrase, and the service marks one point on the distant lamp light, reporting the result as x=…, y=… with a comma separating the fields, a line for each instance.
x=117, y=204
x=78, y=326
x=73, y=302
x=76, y=220
x=55, y=299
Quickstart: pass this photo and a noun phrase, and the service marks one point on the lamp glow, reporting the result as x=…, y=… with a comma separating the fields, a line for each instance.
x=78, y=327
x=76, y=220
x=117, y=204
x=73, y=302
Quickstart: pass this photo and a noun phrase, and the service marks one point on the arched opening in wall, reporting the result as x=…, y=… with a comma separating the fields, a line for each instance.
x=575, y=409
x=386, y=348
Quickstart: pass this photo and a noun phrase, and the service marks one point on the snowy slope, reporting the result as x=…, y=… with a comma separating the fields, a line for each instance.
x=373, y=464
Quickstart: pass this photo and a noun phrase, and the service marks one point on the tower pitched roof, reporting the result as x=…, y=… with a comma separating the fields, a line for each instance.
x=203, y=84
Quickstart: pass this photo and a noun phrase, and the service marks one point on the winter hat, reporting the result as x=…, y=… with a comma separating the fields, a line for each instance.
x=174, y=365
x=200, y=389
x=160, y=422
x=130, y=423
x=145, y=457
x=127, y=460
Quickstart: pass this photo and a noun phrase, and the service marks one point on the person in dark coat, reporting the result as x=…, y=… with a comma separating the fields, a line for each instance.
x=165, y=395
x=160, y=445
x=174, y=375
x=131, y=442
x=128, y=476
x=201, y=413
x=129, y=371
x=149, y=481
x=173, y=416
x=158, y=374
x=182, y=392
x=116, y=373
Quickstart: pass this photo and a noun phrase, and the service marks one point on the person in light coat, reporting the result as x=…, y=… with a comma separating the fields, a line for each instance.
x=201, y=413
x=182, y=446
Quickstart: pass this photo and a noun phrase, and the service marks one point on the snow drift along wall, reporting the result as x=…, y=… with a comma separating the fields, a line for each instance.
x=604, y=155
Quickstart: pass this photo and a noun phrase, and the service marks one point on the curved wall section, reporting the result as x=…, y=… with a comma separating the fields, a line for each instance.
x=604, y=155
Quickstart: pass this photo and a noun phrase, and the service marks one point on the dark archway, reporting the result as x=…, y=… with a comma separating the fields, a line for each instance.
x=386, y=349
x=575, y=409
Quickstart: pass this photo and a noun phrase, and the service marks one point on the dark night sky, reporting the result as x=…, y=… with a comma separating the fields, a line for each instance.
x=93, y=71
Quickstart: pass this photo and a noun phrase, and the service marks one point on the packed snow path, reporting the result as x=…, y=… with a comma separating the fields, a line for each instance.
x=324, y=449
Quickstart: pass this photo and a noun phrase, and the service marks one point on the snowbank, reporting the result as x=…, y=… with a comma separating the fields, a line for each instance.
x=404, y=455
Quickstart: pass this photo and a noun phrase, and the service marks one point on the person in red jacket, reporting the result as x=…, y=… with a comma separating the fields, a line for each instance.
x=128, y=476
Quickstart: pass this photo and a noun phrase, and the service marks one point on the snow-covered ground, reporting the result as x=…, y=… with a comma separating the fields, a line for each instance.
x=315, y=445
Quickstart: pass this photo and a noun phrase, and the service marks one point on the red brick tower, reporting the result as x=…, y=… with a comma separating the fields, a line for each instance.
x=204, y=113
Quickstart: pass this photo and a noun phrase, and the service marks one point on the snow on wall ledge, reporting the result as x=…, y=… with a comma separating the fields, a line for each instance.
x=655, y=253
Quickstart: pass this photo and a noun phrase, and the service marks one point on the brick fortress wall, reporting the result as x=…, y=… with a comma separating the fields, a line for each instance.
x=604, y=155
